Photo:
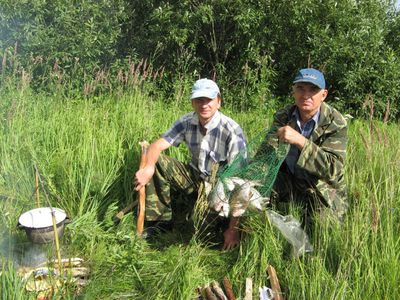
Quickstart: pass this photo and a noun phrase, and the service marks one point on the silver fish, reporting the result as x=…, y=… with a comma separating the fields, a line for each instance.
x=245, y=195
x=256, y=200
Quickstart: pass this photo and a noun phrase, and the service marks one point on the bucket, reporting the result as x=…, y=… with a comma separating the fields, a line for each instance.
x=38, y=224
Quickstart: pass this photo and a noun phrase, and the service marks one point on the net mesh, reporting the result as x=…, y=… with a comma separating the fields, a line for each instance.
x=249, y=178
x=261, y=162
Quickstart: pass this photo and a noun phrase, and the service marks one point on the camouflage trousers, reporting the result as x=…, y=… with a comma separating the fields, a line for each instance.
x=288, y=190
x=172, y=190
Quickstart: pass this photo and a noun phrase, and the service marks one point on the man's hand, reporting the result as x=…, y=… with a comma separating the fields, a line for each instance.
x=143, y=176
x=231, y=235
x=288, y=135
x=231, y=238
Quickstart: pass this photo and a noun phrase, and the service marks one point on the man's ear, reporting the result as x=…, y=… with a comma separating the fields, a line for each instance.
x=324, y=94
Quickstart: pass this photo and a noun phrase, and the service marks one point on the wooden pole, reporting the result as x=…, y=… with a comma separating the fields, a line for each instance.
x=228, y=289
x=37, y=188
x=53, y=219
x=142, y=192
x=275, y=286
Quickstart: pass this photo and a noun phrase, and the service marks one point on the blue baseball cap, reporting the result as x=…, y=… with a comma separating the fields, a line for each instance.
x=312, y=76
x=204, y=88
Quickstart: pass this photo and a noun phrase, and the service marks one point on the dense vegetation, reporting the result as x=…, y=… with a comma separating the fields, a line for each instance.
x=82, y=82
x=87, y=151
x=253, y=48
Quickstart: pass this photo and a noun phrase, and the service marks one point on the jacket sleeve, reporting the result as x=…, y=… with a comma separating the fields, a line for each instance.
x=325, y=157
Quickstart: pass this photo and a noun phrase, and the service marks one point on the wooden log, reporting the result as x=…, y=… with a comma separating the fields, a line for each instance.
x=209, y=293
x=249, y=289
x=275, y=286
x=228, y=289
x=216, y=288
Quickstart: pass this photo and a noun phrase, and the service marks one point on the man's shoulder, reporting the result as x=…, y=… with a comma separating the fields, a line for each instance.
x=187, y=117
x=181, y=125
x=228, y=122
x=283, y=115
x=332, y=116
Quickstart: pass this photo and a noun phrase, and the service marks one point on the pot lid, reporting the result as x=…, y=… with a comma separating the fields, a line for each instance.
x=41, y=217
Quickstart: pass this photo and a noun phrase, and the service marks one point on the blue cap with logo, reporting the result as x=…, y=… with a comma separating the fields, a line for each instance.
x=312, y=76
x=204, y=88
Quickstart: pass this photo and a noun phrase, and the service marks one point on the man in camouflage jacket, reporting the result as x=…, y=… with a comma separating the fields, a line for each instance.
x=312, y=174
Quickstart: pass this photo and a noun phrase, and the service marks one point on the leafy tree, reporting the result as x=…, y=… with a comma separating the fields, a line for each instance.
x=252, y=48
x=63, y=31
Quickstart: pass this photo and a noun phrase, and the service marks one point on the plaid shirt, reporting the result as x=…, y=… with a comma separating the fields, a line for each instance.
x=222, y=142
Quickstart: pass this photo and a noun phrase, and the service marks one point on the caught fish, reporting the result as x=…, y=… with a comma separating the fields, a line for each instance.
x=233, y=195
x=240, y=201
x=245, y=195
x=218, y=199
x=256, y=200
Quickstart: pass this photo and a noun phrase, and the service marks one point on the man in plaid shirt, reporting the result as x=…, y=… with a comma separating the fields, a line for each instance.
x=211, y=138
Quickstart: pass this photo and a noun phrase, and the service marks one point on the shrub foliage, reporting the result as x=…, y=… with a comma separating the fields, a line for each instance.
x=253, y=48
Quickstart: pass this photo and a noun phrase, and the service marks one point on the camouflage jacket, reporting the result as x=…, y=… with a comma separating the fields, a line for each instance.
x=322, y=159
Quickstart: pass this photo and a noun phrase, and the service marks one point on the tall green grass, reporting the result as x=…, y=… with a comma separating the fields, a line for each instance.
x=87, y=152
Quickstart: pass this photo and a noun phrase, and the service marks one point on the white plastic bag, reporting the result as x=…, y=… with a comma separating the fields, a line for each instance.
x=292, y=231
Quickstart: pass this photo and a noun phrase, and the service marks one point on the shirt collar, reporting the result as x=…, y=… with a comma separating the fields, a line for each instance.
x=315, y=118
x=213, y=123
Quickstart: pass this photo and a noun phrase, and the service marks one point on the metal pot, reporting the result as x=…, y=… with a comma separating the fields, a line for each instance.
x=38, y=224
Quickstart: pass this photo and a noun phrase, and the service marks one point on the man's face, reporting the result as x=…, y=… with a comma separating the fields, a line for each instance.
x=206, y=108
x=308, y=97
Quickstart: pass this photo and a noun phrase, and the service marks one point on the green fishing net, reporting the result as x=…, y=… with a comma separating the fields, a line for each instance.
x=245, y=183
x=259, y=164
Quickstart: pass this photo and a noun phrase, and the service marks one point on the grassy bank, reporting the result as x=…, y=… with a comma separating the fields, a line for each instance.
x=87, y=151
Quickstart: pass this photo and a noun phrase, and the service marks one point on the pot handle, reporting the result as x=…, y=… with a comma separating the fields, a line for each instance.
x=67, y=220
x=20, y=226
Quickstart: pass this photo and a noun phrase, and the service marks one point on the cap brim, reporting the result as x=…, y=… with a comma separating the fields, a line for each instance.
x=204, y=94
x=308, y=81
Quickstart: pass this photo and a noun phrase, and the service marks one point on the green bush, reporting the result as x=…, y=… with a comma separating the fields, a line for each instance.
x=252, y=48
x=62, y=31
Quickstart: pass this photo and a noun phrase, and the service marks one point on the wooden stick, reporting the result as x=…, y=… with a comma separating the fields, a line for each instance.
x=37, y=188
x=228, y=289
x=209, y=293
x=118, y=217
x=53, y=219
x=249, y=289
x=216, y=288
x=142, y=192
x=275, y=286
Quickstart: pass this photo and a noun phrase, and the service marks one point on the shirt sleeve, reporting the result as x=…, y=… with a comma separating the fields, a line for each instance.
x=237, y=145
x=175, y=135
